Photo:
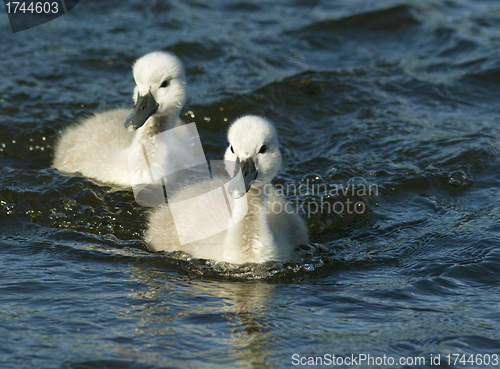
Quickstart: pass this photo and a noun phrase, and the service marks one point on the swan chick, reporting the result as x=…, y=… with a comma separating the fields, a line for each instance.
x=98, y=147
x=265, y=226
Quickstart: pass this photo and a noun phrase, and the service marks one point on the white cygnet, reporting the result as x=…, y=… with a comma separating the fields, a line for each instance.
x=266, y=227
x=98, y=147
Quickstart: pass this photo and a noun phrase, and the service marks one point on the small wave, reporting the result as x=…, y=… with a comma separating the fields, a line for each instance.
x=313, y=261
x=243, y=6
x=394, y=19
x=205, y=51
x=491, y=75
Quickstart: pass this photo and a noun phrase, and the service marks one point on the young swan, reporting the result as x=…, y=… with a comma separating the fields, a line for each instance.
x=269, y=228
x=98, y=147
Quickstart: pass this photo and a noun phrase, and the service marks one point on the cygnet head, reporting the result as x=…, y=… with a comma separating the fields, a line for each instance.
x=160, y=88
x=253, y=145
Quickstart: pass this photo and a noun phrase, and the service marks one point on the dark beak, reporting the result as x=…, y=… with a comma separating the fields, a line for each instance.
x=146, y=106
x=239, y=186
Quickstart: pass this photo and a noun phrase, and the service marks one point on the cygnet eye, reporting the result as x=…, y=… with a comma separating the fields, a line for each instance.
x=263, y=149
x=165, y=83
x=232, y=149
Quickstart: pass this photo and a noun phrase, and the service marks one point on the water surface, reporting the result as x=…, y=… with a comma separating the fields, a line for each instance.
x=404, y=95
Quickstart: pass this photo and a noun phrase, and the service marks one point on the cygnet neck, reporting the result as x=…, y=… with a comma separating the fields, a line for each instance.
x=252, y=233
x=154, y=125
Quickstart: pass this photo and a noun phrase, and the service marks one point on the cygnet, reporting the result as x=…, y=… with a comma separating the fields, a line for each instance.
x=98, y=147
x=262, y=225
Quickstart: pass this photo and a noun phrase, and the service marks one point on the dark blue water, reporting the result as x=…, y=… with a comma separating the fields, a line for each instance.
x=404, y=95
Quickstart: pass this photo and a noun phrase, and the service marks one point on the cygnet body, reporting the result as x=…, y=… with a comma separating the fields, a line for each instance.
x=98, y=147
x=268, y=228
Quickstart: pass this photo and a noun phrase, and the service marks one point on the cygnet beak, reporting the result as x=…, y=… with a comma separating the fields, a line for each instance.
x=146, y=106
x=238, y=188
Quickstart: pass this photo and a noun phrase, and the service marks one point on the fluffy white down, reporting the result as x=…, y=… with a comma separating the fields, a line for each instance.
x=98, y=147
x=265, y=233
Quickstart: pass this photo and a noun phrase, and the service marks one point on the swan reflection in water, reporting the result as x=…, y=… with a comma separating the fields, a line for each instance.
x=231, y=315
